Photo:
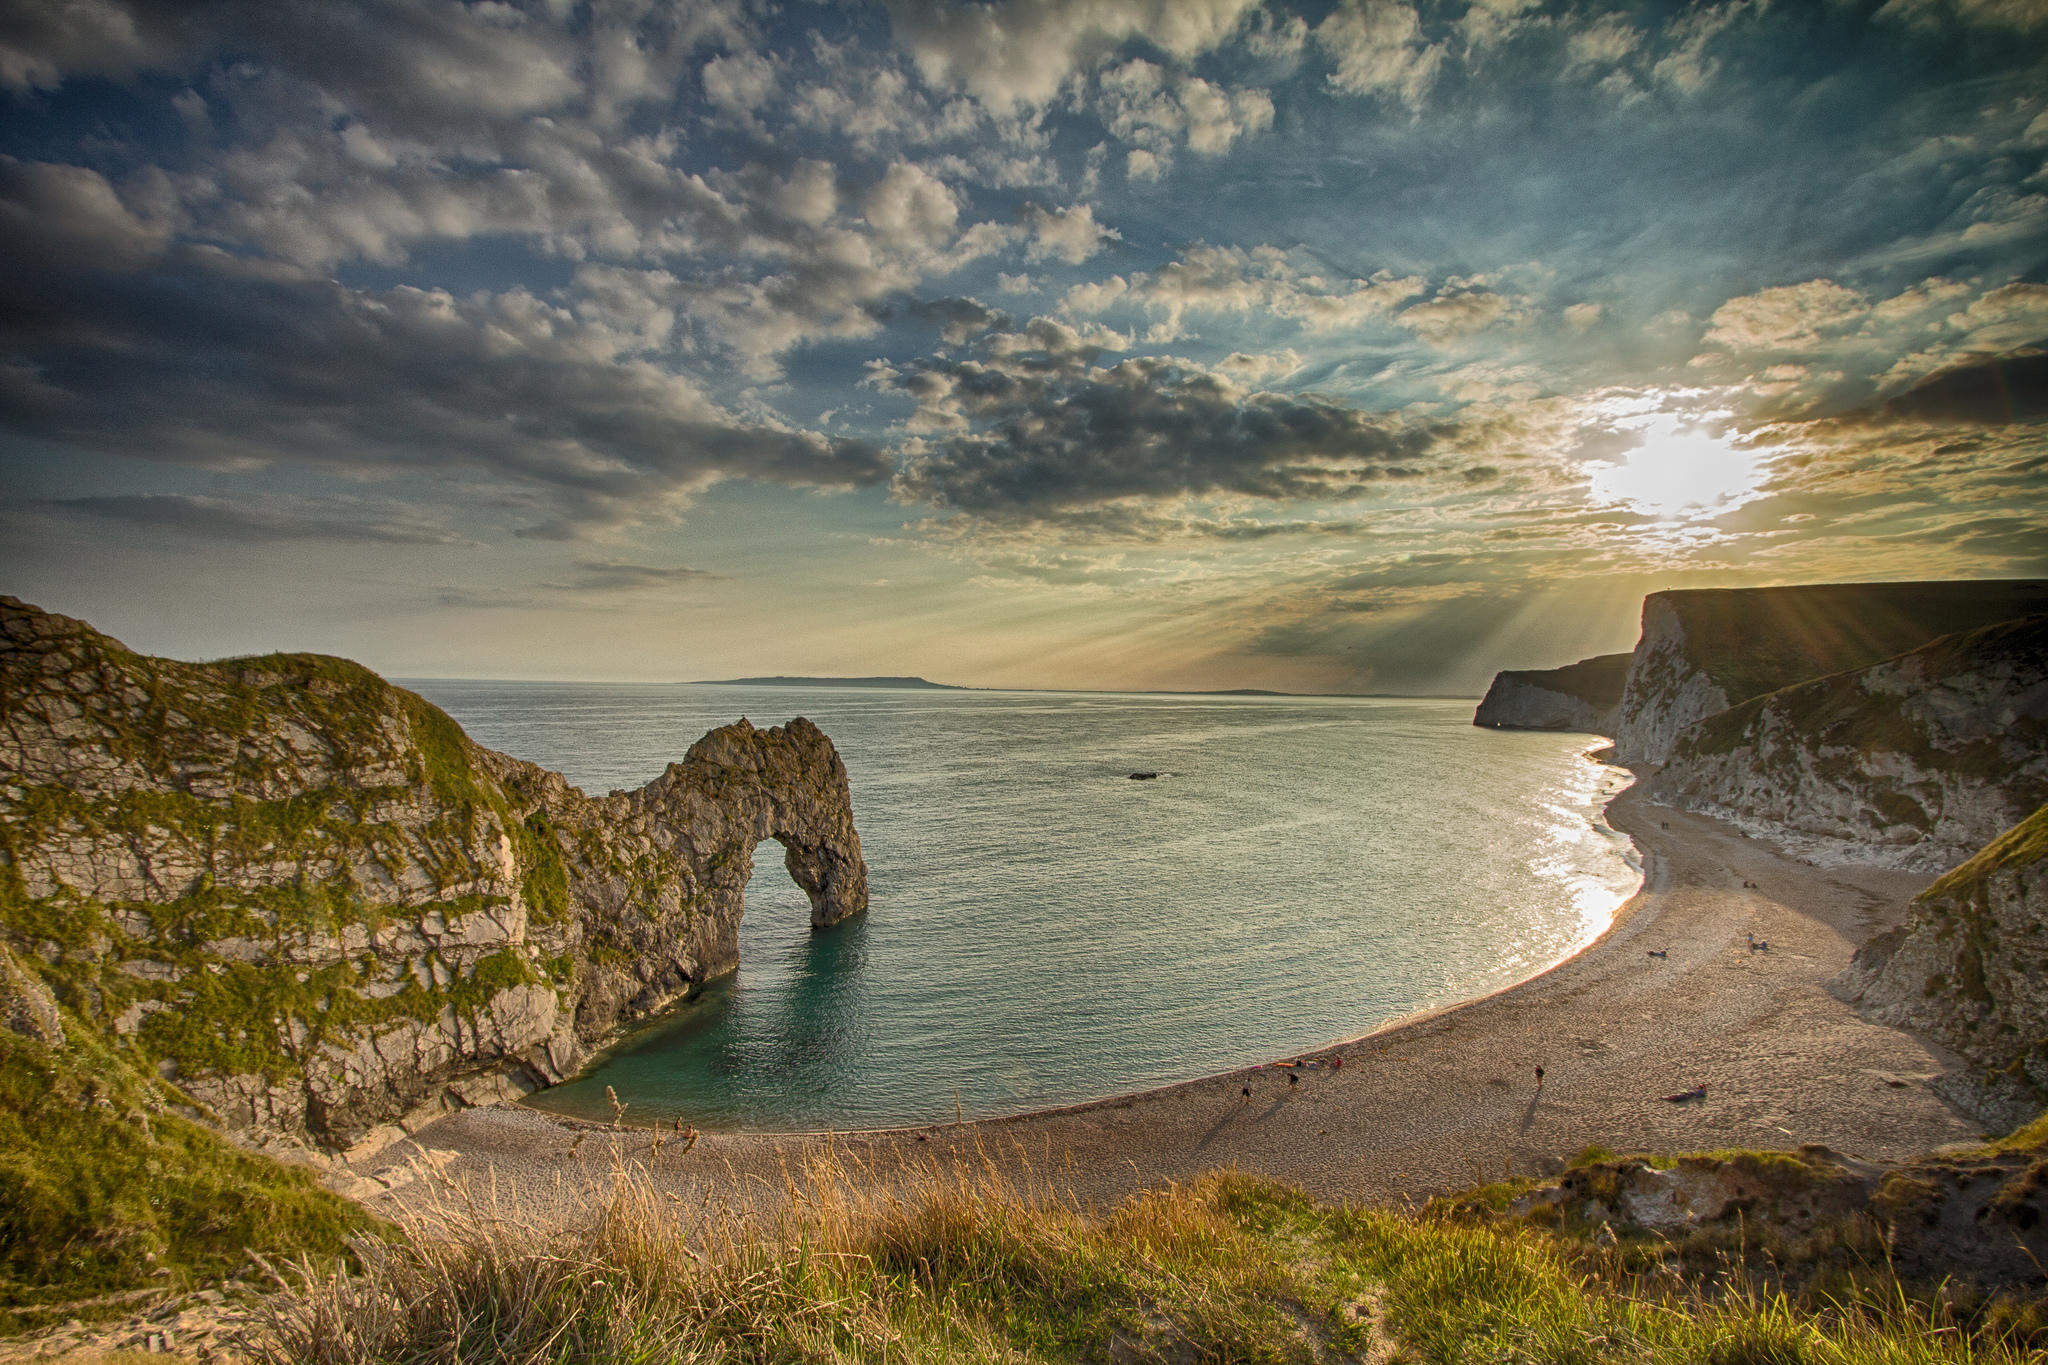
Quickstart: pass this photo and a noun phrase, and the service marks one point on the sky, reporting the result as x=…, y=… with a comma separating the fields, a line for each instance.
x=1338, y=347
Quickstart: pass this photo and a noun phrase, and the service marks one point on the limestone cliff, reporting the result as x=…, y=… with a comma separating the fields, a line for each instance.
x=1580, y=696
x=1970, y=970
x=308, y=899
x=1703, y=651
x=1917, y=762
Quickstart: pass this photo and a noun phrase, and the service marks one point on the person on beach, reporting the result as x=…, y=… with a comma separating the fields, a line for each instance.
x=1247, y=1099
x=1539, y=1078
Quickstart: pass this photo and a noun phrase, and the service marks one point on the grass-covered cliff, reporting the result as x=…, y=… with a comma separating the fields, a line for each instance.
x=1704, y=650
x=1580, y=696
x=280, y=901
x=112, y=1193
x=1920, y=760
x=308, y=900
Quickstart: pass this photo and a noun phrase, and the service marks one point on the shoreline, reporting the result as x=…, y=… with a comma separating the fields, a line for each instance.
x=1422, y=1104
x=1633, y=857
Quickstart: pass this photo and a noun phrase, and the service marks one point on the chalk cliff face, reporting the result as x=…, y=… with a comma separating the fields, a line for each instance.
x=1918, y=761
x=1703, y=651
x=1580, y=696
x=1970, y=970
x=309, y=900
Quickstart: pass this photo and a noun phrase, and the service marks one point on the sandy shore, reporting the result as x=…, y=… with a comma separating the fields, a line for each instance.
x=1423, y=1106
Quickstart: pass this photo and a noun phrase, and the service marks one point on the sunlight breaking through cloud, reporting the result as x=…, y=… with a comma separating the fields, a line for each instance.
x=1679, y=469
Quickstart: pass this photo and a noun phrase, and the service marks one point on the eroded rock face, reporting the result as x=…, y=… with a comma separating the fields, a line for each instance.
x=1705, y=650
x=1970, y=970
x=311, y=901
x=1917, y=762
x=1580, y=696
x=1973, y=1219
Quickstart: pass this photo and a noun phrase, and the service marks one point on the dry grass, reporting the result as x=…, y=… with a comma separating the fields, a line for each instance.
x=961, y=1263
x=936, y=1262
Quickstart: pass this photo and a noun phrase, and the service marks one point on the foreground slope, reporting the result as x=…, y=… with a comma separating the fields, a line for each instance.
x=304, y=896
x=1705, y=650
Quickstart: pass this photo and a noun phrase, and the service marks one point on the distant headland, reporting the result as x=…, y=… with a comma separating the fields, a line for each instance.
x=782, y=680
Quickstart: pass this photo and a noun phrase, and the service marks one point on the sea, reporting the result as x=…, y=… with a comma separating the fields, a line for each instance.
x=1043, y=929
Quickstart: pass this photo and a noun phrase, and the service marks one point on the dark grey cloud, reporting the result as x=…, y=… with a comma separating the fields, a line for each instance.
x=1994, y=390
x=418, y=61
x=596, y=575
x=959, y=319
x=243, y=520
x=189, y=354
x=1036, y=427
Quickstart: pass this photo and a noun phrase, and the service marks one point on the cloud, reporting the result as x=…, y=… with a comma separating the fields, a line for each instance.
x=42, y=43
x=195, y=356
x=1455, y=313
x=267, y=520
x=959, y=318
x=1036, y=427
x=1158, y=111
x=1070, y=234
x=2018, y=15
x=911, y=205
x=1020, y=55
x=1487, y=23
x=1378, y=50
x=872, y=99
x=1790, y=317
x=1603, y=41
x=2005, y=316
x=1991, y=391
x=51, y=214
x=1276, y=39
x=596, y=575
x=1582, y=317
x=739, y=82
x=1259, y=281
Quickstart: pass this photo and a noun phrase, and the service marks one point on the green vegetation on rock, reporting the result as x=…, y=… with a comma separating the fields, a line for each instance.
x=106, y=1190
x=1751, y=641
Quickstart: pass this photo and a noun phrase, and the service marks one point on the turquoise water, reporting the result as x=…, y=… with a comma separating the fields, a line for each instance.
x=1043, y=930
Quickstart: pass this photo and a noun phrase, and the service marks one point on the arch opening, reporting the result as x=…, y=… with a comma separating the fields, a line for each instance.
x=774, y=894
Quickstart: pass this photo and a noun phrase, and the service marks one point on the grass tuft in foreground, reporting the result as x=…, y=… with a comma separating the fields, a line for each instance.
x=961, y=1264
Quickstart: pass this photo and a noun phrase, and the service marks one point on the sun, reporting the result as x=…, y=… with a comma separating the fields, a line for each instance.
x=1680, y=470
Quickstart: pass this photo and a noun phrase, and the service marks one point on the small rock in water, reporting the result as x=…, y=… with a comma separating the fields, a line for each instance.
x=1143, y=777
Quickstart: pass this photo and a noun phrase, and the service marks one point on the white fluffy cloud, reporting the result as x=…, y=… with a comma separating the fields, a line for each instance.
x=1790, y=317
x=1070, y=234
x=1377, y=48
x=1157, y=111
x=1021, y=55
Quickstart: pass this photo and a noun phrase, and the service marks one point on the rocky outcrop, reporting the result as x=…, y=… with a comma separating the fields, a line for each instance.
x=1970, y=970
x=308, y=899
x=1918, y=761
x=1703, y=651
x=1580, y=696
x=1972, y=1219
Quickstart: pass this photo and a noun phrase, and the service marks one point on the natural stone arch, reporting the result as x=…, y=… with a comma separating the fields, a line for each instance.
x=666, y=934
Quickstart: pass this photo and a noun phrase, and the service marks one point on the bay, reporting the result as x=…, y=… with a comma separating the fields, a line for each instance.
x=1044, y=930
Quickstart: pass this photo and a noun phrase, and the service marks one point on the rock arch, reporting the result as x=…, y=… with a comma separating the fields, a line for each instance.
x=655, y=936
